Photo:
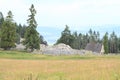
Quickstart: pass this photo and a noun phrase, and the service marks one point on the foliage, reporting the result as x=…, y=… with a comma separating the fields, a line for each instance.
x=66, y=37
x=113, y=43
x=17, y=40
x=32, y=40
x=42, y=41
x=78, y=40
x=94, y=36
x=8, y=32
x=20, y=29
x=1, y=19
x=105, y=43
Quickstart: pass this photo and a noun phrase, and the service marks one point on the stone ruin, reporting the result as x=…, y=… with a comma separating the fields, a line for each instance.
x=60, y=49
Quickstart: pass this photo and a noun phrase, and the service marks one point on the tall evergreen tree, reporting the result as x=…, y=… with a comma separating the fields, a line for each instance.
x=1, y=22
x=118, y=44
x=23, y=30
x=19, y=29
x=66, y=37
x=113, y=43
x=8, y=32
x=94, y=36
x=91, y=37
x=105, y=43
x=98, y=37
x=1, y=19
x=76, y=42
x=32, y=40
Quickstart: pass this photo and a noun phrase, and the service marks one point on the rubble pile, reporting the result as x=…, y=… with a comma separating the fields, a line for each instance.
x=59, y=50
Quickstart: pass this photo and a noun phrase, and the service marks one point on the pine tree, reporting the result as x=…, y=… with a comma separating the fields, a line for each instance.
x=1, y=19
x=113, y=43
x=23, y=30
x=118, y=45
x=91, y=35
x=105, y=43
x=42, y=41
x=98, y=37
x=32, y=40
x=1, y=22
x=75, y=44
x=66, y=37
x=8, y=32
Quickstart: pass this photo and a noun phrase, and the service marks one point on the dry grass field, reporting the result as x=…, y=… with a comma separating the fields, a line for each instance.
x=96, y=68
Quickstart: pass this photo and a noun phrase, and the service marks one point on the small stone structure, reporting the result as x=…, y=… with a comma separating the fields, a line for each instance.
x=95, y=47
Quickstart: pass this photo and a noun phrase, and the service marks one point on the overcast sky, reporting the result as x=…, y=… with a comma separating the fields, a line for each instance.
x=58, y=13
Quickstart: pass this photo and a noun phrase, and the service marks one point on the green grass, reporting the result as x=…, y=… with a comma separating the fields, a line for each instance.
x=16, y=65
x=32, y=56
x=19, y=55
x=55, y=76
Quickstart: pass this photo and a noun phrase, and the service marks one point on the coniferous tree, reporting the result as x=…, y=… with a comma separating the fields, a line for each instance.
x=19, y=29
x=76, y=41
x=23, y=30
x=98, y=37
x=94, y=36
x=17, y=34
x=91, y=35
x=113, y=43
x=118, y=44
x=80, y=36
x=85, y=40
x=8, y=32
x=66, y=37
x=42, y=41
x=32, y=40
x=1, y=22
x=1, y=19
x=105, y=43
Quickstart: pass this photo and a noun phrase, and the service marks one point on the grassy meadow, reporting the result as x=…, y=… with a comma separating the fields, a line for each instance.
x=27, y=66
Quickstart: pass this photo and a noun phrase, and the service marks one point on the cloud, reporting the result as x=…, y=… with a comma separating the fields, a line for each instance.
x=18, y=7
x=55, y=13
x=79, y=13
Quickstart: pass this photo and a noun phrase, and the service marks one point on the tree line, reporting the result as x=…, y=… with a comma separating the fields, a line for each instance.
x=11, y=32
x=77, y=40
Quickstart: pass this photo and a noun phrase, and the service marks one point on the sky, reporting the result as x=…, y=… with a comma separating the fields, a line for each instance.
x=53, y=15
